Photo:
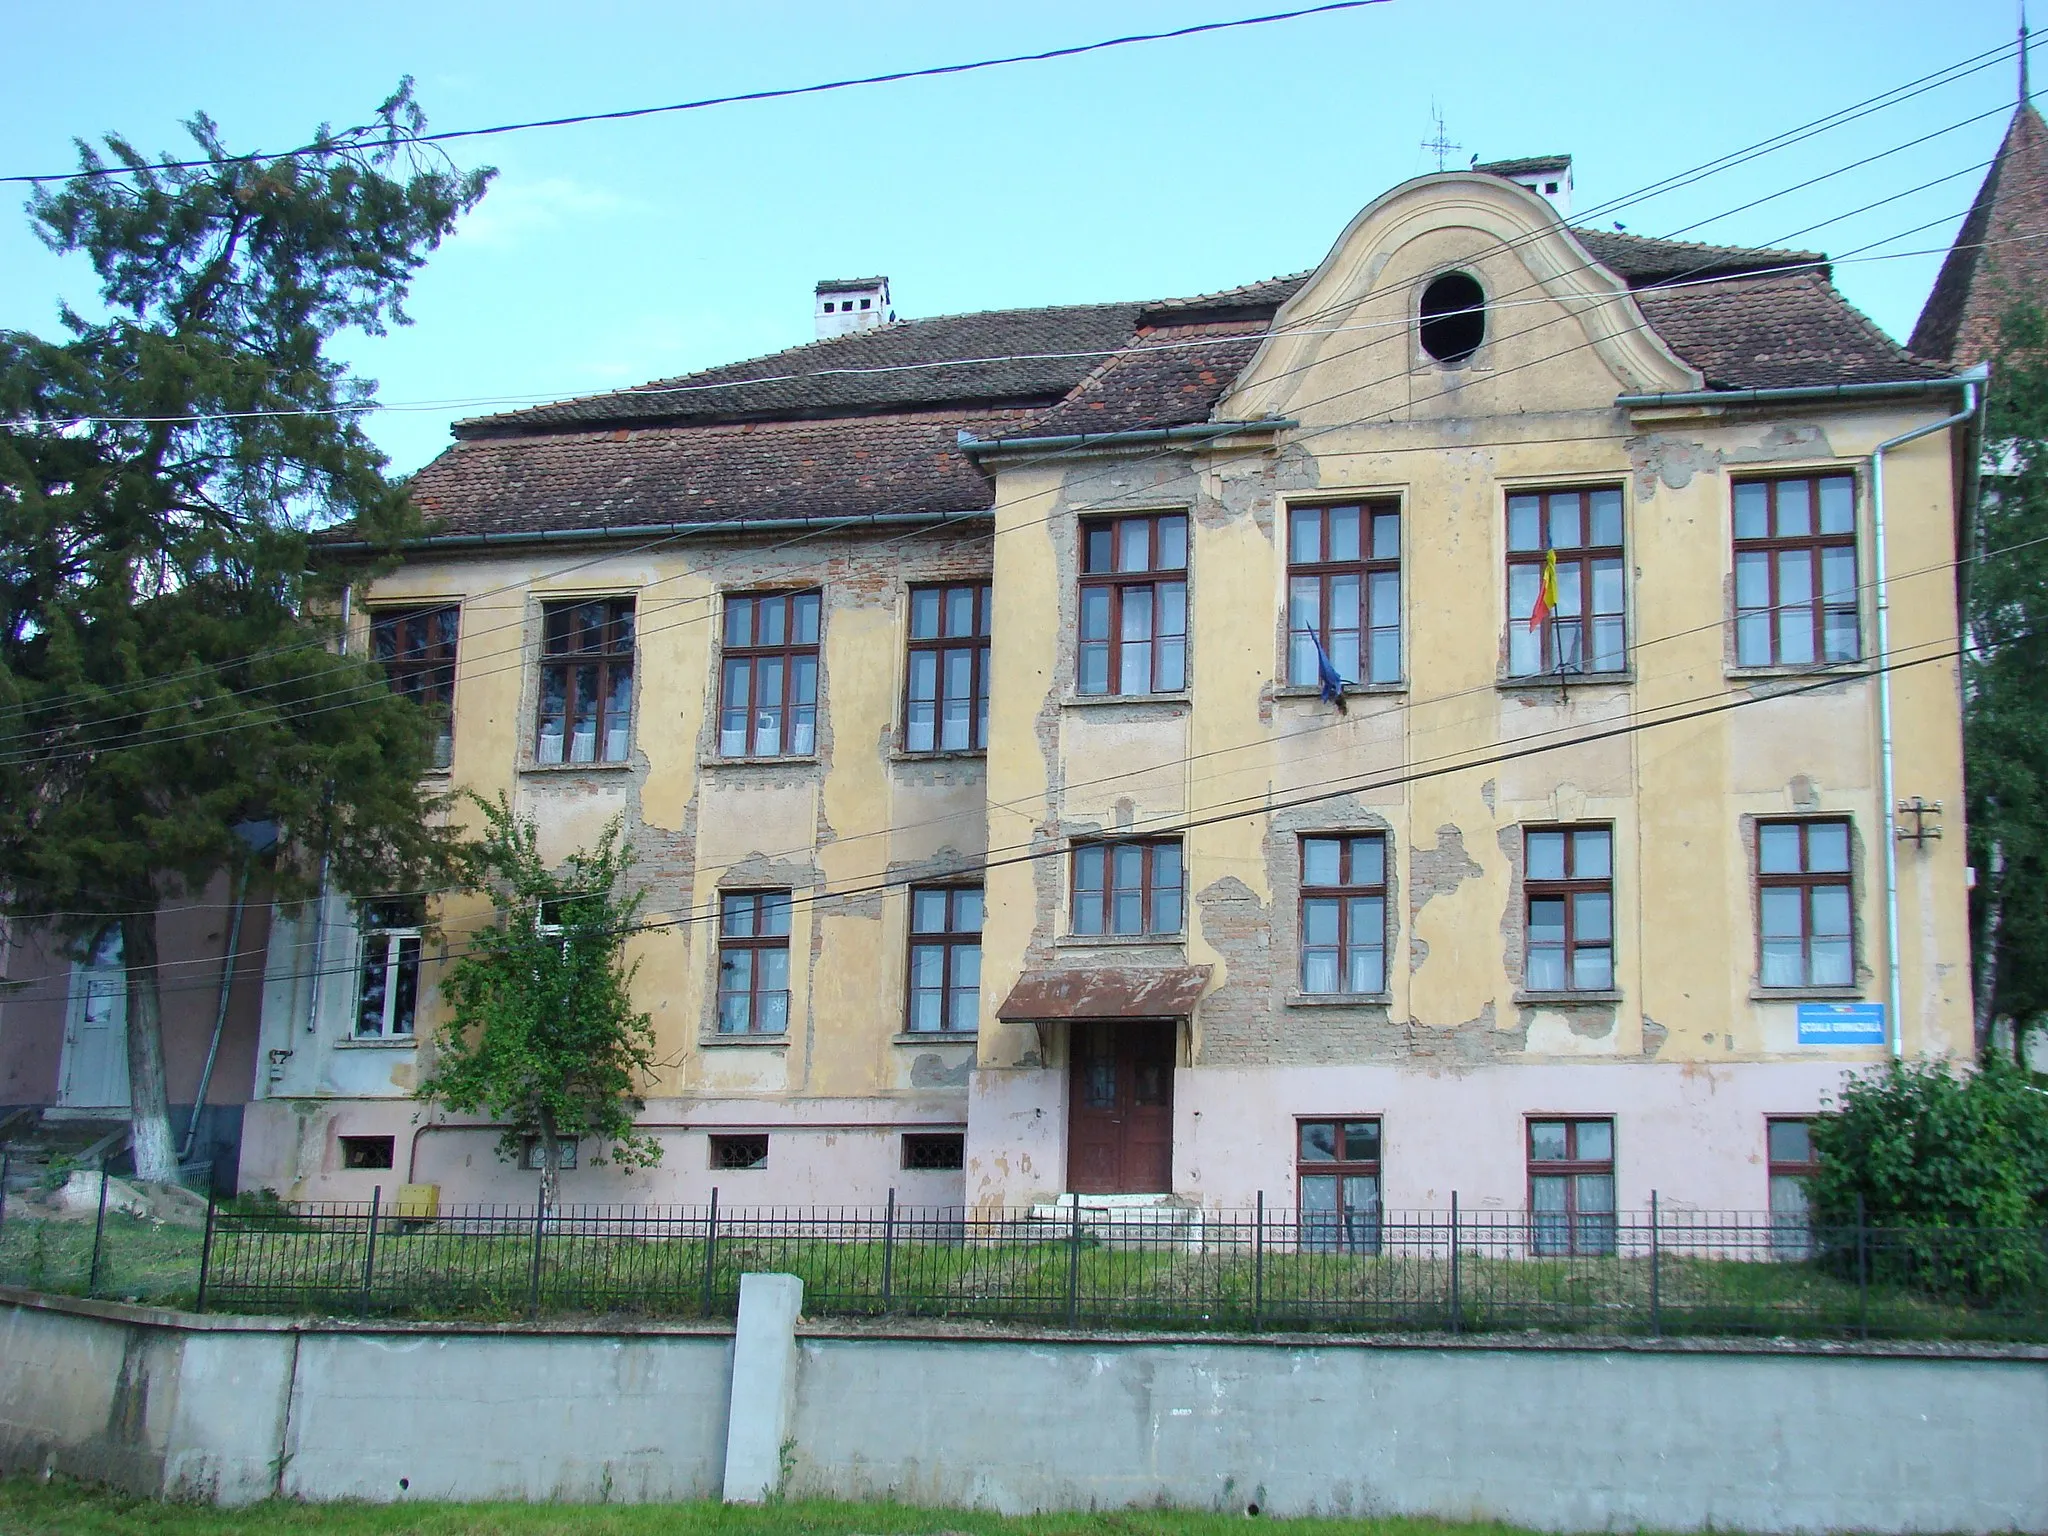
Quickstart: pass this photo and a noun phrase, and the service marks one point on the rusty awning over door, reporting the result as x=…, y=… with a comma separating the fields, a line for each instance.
x=1106, y=992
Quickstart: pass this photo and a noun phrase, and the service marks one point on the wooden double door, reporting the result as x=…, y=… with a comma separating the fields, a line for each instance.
x=1120, y=1108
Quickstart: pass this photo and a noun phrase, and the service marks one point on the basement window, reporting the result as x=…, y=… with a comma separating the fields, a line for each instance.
x=366, y=1151
x=729, y=1153
x=530, y=1153
x=934, y=1152
x=1453, y=317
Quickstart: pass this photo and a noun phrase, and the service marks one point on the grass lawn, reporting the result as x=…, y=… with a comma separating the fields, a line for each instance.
x=30, y=1507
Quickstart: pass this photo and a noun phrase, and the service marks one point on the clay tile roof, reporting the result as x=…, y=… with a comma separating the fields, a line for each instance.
x=855, y=466
x=1640, y=260
x=1168, y=377
x=1249, y=301
x=994, y=357
x=1768, y=332
x=2000, y=255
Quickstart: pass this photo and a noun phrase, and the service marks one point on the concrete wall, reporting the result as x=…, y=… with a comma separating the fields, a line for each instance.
x=1556, y=1436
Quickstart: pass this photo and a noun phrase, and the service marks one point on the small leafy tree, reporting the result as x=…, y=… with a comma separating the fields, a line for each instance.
x=542, y=1035
x=1956, y=1162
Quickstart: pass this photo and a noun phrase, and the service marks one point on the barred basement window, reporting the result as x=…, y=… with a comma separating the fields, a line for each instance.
x=730, y=1153
x=934, y=1151
x=366, y=1151
x=530, y=1153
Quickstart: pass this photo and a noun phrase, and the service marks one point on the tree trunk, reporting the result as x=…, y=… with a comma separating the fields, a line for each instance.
x=149, y=1112
x=1987, y=958
x=550, y=1160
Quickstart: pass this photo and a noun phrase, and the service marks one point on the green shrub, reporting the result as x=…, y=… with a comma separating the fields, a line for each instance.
x=1952, y=1167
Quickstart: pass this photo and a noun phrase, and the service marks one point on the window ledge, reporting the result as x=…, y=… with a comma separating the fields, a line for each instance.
x=1545, y=682
x=1125, y=700
x=905, y=755
x=937, y=1037
x=1339, y=1000
x=388, y=1043
x=1120, y=940
x=1806, y=994
x=744, y=1040
x=1351, y=690
x=786, y=760
x=620, y=765
x=1607, y=998
x=1843, y=669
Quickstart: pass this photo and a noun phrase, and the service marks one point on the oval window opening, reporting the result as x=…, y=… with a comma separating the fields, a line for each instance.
x=1453, y=317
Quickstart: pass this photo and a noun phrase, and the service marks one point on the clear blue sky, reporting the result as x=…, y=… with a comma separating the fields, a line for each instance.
x=614, y=253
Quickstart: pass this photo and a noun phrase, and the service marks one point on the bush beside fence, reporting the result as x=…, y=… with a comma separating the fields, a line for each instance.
x=1659, y=1272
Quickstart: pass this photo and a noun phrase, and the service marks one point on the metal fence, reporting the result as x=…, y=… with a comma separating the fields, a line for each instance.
x=1069, y=1264
x=1076, y=1265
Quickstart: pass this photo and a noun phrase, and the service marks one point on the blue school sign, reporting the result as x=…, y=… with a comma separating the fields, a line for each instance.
x=1841, y=1024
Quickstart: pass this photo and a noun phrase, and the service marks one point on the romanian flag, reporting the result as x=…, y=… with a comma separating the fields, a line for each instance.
x=1546, y=592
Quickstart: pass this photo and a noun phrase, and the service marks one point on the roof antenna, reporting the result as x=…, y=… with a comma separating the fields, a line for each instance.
x=2024, y=93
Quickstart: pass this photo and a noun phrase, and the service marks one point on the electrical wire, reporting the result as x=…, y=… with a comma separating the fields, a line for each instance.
x=782, y=93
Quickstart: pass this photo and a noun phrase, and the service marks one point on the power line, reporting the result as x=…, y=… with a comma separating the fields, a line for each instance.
x=779, y=93
x=1890, y=97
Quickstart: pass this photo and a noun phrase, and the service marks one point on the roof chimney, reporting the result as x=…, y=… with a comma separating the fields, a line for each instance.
x=1548, y=176
x=852, y=304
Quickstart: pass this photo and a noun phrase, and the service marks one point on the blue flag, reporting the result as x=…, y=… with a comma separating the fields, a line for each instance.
x=1326, y=672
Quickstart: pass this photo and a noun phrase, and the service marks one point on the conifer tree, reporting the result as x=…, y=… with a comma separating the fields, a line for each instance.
x=2006, y=712
x=168, y=661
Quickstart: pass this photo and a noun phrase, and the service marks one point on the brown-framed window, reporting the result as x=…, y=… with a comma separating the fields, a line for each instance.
x=1587, y=629
x=1568, y=889
x=1344, y=592
x=388, y=978
x=1795, y=571
x=1789, y=1145
x=945, y=959
x=1127, y=887
x=416, y=648
x=945, y=705
x=753, y=963
x=1571, y=1186
x=1337, y=1183
x=934, y=1151
x=1805, y=927
x=768, y=677
x=1134, y=604
x=586, y=682
x=1344, y=913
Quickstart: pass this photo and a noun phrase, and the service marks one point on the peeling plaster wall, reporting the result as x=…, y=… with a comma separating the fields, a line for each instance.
x=844, y=818
x=1381, y=421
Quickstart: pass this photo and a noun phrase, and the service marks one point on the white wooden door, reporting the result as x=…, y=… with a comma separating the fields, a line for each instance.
x=95, y=1069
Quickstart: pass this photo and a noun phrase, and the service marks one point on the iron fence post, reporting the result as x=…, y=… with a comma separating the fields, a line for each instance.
x=1457, y=1308
x=6, y=1167
x=99, y=1227
x=206, y=1248
x=710, y=1250
x=1259, y=1265
x=370, y=1252
x=540, y=1216
x=1074, y=1264
x=1862, y=1272
x=1656, y=1297
x=888, y=1247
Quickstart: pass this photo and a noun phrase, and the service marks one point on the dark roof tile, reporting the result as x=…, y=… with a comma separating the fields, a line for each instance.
x=1771, y=332
x=2000, y=256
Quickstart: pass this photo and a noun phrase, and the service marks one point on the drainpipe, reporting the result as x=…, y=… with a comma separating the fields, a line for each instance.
x=1971, y=382
x=320, y=896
